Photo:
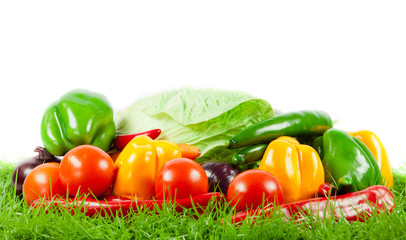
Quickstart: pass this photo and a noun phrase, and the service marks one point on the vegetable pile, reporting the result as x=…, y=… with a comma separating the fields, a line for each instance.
x=192, y=148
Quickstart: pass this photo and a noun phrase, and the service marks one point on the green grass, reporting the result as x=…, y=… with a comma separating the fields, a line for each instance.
x=18, y=221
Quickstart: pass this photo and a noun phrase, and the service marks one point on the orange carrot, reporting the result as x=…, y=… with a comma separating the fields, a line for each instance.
x=189, y=151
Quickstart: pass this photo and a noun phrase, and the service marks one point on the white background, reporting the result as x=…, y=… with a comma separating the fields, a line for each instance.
x=347, y=58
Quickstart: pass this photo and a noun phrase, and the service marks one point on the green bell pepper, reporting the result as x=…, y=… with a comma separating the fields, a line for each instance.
x=348, y=163
x=78, y=117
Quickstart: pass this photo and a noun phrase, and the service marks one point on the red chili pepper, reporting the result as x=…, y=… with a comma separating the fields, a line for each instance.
x=122, y=140
x=112, y=205
x=352, y=206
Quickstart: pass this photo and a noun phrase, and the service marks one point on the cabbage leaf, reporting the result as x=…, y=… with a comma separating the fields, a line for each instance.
x=205, y=118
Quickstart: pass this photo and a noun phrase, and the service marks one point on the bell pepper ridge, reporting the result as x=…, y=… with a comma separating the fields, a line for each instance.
x=78, y=117
x=350, y=170
x=342, y=158
x=297, y=167
x=374, y=144
x=147, y=154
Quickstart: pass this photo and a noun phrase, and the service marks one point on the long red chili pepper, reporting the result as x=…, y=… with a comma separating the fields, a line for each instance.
x=112, y=205
x=122, y=140
x=352, y=206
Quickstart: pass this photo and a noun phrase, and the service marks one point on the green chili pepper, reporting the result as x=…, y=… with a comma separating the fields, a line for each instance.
x=286, y=124
x=245, y=167
x=78, y=117
x=249, y=154
x=348, y=163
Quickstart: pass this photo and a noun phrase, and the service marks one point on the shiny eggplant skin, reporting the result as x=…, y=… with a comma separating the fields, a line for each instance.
x=219, y=175
x=26, y=166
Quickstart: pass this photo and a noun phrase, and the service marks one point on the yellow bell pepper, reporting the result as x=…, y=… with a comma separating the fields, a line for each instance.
x=139, y=163
x=297, y=167
x=375, y=145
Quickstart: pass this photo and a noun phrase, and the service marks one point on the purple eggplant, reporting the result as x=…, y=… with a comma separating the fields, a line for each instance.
x=25, y=167
x=219, y=175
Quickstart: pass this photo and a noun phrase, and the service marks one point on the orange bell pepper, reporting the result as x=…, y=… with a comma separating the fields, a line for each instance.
x=375, y=145
x=297, y=167
x=139, y=163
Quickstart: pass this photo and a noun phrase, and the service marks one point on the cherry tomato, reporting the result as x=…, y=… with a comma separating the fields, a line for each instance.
x=326, y=190
x=43, y=182
x=249, y=188
x=87, y=169
x=181, y=178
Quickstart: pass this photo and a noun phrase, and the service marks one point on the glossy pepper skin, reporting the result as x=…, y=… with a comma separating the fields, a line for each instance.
x=122, y=140
x=113, y=205
x=376, y=147
x=78, y=117
x=356, y=206
x=297, y=167
x=348, y=163
x=286, y=124
x=249, y=154
x=138, y=165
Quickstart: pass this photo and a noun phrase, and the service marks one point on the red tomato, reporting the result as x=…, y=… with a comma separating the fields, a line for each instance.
x=249, y=188
x=87, y=169
x=181, y=178
x=43, y=182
